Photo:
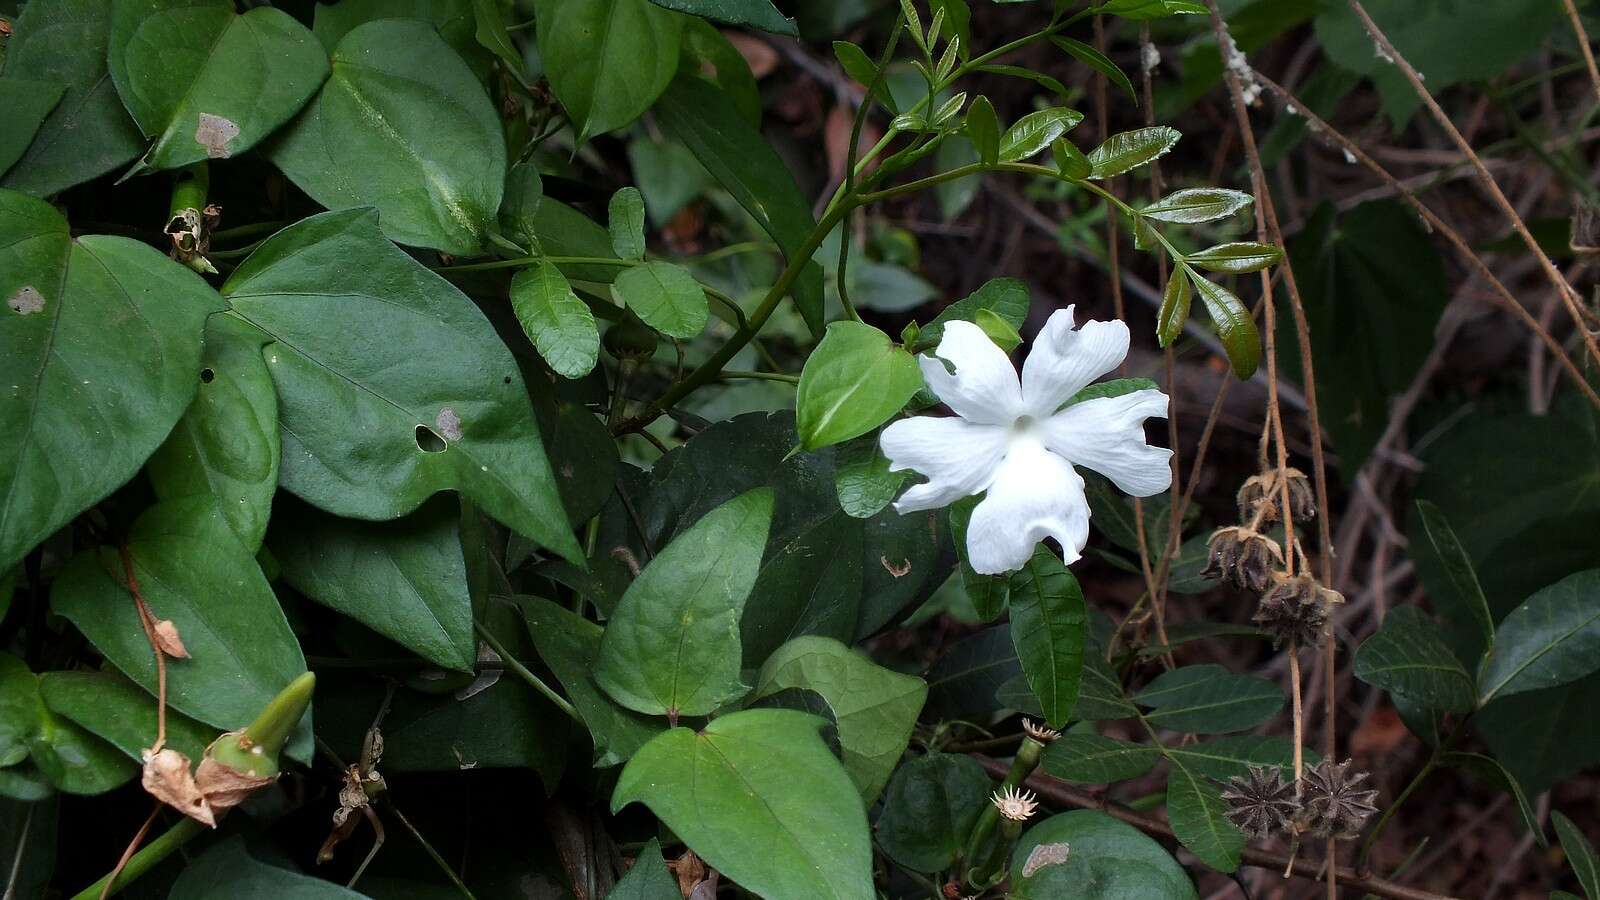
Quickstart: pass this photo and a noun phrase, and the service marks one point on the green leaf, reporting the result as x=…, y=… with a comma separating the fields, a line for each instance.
x=1551, y=639
x=18, y=687
x=1144, y=10
x=231, y=864
x=757, y=795
x=626, y=218
x=607, y=60
x=570, y=645
x=433, y=158
x=983, y=129
x=1092, y=758
x=1208, y=699
x=874, y=708
x=440, y=399
x=1006, y=297
x=28, y=102
x=1488, y=769
x=1174, y=310
x=1070, y=161
x=1580, y=854
x=861, y=67
x=404, y=579
x=1194, y=205
x=1224, y=757
x=1100, y=857
x=1097, y=61
x=1047, y=622
x=929, y=809
x=455, y=20
x=1131, y=149
x=560, y=325
x=862, y=480
x=118, y=711
x=100, y=337
x=27, y=838
x=963, y=681
x=852, y=383
x=1544, y=736
x=1195, y=811
x=672, y=645
x=1100, y=694
x=192, y=570
x=69, y=757
x=1407, y=657
x=88, y=133
x=1035, y=131
x=1240, y=339
x=755, y=13
x=226, y=446
x=1237, y=258
x=989, y=594
x=648, y=879
x=955, y=196
x=490, y=32
x=665, y=296
x=206, y=83
x=1465, y=602
x=700, y=116
x=559, y=230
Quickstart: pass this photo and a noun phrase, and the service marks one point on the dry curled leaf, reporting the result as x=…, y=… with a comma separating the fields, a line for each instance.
x=168, y=641
x=225, y=787
x=167, y=778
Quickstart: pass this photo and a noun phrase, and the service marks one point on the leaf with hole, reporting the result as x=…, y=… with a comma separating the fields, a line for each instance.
x=394, y=347
x=1087, y=853
x=757, y=795
x=100, y=349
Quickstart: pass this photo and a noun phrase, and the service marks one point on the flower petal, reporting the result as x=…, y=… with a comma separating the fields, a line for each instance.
x=984, y=387
x=1035, y=494
x=1064, y=362
x=1107, y=435
x=958, y=457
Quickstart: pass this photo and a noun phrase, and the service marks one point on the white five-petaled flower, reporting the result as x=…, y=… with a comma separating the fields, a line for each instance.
x=1014, y=441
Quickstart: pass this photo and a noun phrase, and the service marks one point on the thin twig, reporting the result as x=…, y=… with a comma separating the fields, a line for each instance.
x=127, y=853
x=148, y=620
x=1583, y=44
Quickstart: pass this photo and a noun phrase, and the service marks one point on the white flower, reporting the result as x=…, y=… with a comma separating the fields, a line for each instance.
x=1014, y=440
x=1016, y=805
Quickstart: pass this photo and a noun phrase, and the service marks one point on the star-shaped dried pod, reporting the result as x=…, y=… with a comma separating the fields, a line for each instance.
x=1294, y=611
x=1336, y=805
x=1244, y=557
x=1261, y=801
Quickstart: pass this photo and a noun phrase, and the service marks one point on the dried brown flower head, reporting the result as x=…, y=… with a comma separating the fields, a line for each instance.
x=1243, y=557
x=1302, y=500
x=1018, y=806
x=1261, y=801
x=1261, y=495
x=1336, y=805
x=1294, y=611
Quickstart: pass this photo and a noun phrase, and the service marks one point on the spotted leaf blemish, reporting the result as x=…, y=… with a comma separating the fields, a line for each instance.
x=26, y=301
x=448, y=424
x=214, y=133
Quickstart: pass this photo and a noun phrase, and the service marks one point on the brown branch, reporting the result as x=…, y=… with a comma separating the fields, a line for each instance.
x=1061, y=793
x=148, y=620
x=1583, y=44
x=127, y=853
x=1463, y=249
x=1568, y=296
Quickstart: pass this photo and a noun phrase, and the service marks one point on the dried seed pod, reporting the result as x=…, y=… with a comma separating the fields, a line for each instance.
x=1336, y=805
x=1258, y=497
x=1243, y=557
x=1302, y=500
x=1260, y=802
x=1294, y=611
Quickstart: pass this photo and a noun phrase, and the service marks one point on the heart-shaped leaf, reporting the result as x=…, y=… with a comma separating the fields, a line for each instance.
x=1086, y=853
x=362, y=332
x=607, y=60
x=570, y=645
x=648, y=878
x=101, y=338
x=204, y=82
x=929, y=809
x=852, y=383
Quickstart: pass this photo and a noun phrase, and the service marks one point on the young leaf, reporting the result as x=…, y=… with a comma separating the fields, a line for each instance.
x=1237, y=258
x=404, y=579
x=984, y=130
x=1467, y=602
x=862, y=479
x=99, y=352
x=1580, y=854
x=490, y=32
x=1092, y=758
x=1036, y=131
x=929, y=809
x=359, y=326
x=860, y=67
x=1551, y=639
x=88, y=133
x=758, y=795
x=433, y=157
x=648, y=879
x=1117, y=859
x=1047, y=622
x=607, y=60
x=852, y=383
x=672, y=645
x=1131, y=149
x=755, y=13
x=206, y=83
x=1195, y=809
x=1069, y=160
x=1006, y=297
x=1208, y=699
x=1097, y=61
x=700, y=116
x=665, y=296
x=1407, y=657
x=1194, y=205
x=560, y=325
x=1240, y=339
x=1174, y=310
x=626, y=221
x=227, y=444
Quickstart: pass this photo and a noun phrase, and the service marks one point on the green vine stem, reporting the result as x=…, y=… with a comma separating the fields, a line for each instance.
x=534, y=681
x=146, y=859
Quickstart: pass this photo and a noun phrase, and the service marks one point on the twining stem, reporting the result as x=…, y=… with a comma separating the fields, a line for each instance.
x=127, y=853
x=1427, y=769
x=1299, y=719
x=534, y=681
x=1583, y=44
x=146, y=859
x=148, y=620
